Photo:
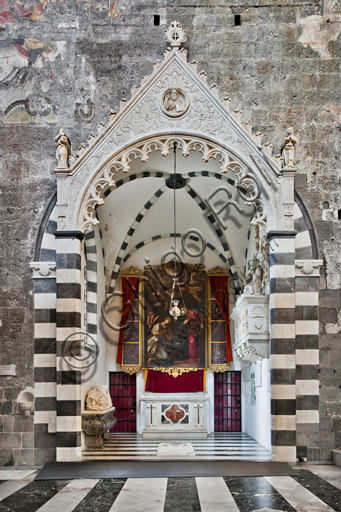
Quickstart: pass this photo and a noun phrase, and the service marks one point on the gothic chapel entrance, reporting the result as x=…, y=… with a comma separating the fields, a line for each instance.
x=189, y=352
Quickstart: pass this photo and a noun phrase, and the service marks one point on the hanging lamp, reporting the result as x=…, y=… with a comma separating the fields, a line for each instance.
x=176, y=309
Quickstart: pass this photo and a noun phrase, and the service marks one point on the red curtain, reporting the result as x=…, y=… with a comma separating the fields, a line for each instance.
x=191, y=382
x=129, y=289
x=219, y=285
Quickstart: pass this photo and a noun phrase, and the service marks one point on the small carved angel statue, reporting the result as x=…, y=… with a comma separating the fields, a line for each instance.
x=63, y=149
x=288, y=149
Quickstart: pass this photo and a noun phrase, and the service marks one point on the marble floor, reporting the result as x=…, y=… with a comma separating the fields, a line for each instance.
x=314, y=489
x=218, y=446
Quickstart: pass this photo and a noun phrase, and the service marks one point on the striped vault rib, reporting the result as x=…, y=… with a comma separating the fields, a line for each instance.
x=159, y=174
x=141, y=215
x=219, y=232
x=171, y=235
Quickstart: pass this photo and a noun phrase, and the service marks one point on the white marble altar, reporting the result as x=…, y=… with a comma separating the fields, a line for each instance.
x=176, y=415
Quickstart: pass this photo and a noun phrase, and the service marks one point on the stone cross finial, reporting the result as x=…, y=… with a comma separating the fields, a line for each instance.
x=175, y=35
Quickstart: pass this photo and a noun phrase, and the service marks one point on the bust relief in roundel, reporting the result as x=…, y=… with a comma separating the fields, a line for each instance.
x=174, y=102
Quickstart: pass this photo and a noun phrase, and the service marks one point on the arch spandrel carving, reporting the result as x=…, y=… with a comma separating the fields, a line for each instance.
x=206, y=125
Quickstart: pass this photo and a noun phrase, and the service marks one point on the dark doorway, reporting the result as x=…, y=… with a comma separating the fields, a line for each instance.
x=123, y=395
x=227, y=402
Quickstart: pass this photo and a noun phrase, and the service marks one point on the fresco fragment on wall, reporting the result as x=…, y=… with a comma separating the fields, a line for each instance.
x=34, y=110
x=15, y=14
x=318, y=31
x=101, y=6
x=19, y=60
x=85, y=107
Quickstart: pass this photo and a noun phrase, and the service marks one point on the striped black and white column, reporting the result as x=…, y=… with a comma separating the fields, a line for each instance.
x=91, y=283
x=282, y=349
x=68, y=318
x=307, y=352
x=44, y=276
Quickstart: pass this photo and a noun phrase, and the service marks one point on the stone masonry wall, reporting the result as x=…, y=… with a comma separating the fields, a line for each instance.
x=67, y=63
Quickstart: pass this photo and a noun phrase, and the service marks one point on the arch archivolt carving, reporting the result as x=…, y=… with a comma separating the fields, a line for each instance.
x=249, y=186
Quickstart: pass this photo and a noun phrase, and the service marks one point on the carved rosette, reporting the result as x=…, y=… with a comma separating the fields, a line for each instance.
x=251, y=317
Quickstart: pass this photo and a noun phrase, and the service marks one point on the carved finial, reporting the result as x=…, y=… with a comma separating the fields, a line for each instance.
x=238, y=115
x=72, y=160
x=82, y=148
x=226, y=102
x=112, y=115
x=63, y=149
x=268, y=147
x=134, y=90
x=279, y=160
x=91, y=139
x=203, y=76
x=157, y=64
x=194, y=66
x=258, y=138
x=214, y=89
x=123, y=103
x=175, y=35
x=101, y=128
x=248, y=127
x=288, y=149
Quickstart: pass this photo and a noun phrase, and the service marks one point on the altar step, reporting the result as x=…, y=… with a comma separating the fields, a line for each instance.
x=218, y=446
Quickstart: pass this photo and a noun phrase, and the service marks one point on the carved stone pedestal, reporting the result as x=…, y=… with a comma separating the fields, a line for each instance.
x=96, y=425
x=251, y=317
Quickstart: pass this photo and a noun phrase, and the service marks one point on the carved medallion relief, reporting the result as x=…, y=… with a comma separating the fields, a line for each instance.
x=174, y=102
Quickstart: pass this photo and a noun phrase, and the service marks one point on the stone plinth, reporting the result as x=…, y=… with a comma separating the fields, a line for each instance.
x=96, y=425
x=176, y=415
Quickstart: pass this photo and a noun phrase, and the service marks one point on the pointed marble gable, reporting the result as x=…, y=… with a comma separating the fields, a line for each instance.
x=206, y=126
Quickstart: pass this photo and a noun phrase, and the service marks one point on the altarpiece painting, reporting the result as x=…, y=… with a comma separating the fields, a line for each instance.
x=151, y=337
x=170, y=342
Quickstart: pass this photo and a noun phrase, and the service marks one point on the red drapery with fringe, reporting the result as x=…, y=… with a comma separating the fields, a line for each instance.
x=191, y=382
x=129, y=289
x=219, y=285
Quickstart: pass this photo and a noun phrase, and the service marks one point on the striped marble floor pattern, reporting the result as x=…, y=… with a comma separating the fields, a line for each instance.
x=218, y=446
x=314, y=489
